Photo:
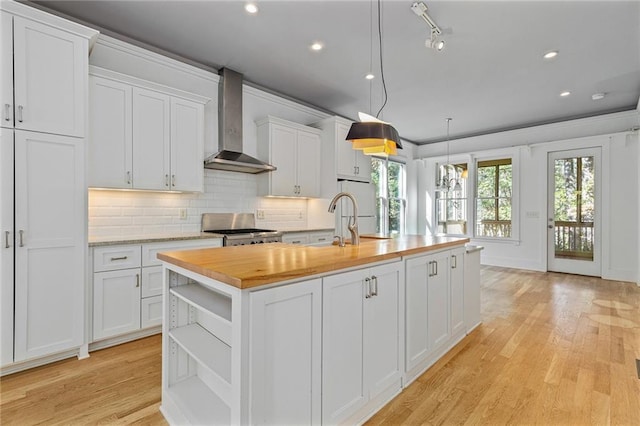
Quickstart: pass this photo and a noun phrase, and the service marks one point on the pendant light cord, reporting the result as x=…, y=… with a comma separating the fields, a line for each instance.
x=384, y=85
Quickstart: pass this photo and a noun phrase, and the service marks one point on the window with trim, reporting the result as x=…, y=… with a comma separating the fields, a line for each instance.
x=451, y=199
x=494, y=191
x=389, y=179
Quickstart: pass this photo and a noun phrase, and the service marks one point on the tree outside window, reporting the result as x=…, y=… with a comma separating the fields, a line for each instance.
x=494, y=186
x=389, y=180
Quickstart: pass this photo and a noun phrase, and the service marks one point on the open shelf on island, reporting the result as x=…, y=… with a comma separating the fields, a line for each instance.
x=216, y=306
x=198, y=403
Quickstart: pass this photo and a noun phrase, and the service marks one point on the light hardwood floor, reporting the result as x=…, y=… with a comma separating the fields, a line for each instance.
x=554, y=349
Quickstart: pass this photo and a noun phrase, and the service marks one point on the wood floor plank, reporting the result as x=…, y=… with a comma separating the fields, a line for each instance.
x=553, y=349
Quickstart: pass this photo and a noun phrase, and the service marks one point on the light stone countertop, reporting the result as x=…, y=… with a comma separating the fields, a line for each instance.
x=143, y=239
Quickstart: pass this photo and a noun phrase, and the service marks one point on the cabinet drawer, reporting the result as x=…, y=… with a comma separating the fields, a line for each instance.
x=150, y=251
x=152, y=281
x=151, y=311
x=295, y=238
x=321, y=238
x=116, y=257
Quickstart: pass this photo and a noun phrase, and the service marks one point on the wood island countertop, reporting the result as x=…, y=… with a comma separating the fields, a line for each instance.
x=256, y=265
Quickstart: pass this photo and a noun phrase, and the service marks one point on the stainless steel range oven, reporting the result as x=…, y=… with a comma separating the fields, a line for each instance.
x=237, y=229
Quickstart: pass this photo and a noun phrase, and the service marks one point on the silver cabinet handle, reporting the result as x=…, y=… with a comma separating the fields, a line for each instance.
x=119, y=258
x=128, y=177
x=137, y=280
x=436, y=265
x=166, y=180
x=6, y=239
x=21, y=233
x=357, y=170
x=20, y=108
x=367, y=288
x=7, y=112
x=454, y=263
x=430, y=268
x=173, y=180
x=374, y=280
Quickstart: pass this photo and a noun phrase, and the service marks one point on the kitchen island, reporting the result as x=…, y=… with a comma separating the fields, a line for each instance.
x=283, y=334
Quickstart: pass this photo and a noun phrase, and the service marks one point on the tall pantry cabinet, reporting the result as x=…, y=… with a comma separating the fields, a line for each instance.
x=44, y=74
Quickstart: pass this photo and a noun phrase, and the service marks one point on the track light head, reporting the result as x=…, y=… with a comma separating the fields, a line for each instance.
x=435, y=41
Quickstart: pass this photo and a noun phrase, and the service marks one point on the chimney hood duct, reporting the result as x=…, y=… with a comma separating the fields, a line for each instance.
x=230, y=156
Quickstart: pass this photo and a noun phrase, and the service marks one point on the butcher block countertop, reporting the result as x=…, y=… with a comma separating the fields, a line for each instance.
x=256, y=265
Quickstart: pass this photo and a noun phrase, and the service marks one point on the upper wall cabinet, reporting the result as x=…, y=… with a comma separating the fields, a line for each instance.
x=44, y=72
x=294, y=149
x=339, y=160
x=144, y=136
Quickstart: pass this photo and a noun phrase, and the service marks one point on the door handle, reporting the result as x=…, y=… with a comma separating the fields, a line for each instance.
x=119, y=258
x=7, y=112
x=454, y=263
x=374, y=281
x=6, y=239
x=21, y=234
x=20, y=108
x=367, y=283
x=137, y=280
x=173, y=180
x=128, y=178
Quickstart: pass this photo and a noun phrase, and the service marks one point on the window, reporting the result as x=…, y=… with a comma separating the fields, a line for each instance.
x=451, y=199
x=389, y=180
x=494, y=183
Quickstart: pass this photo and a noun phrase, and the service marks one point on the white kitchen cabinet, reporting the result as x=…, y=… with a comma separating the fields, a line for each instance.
x=301, y=238
x=362, y=340
x=294, y=150
x=7, y=247
x=472, y=306
x=286, y=333
x=49, y=76
x=435, y=307
x=143, y=135
x=116, y=302
x=50, y=225
x=127, y=285
x=339, y=159
x=456, y=282
x=110, y=134
x=6, y=72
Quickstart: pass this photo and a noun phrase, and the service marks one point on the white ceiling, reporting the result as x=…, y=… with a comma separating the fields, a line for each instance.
x=490, y=77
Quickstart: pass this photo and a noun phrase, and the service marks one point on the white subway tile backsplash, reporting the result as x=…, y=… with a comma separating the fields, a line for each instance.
x=119, y=214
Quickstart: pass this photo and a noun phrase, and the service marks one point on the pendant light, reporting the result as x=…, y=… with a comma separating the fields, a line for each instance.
x=371, y=135
x=446, y=183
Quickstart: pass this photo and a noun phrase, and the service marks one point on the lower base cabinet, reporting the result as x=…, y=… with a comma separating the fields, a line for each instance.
x=286, y=332
x=362, y=340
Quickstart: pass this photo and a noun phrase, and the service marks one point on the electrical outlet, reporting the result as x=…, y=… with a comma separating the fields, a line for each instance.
x=183, y=214
x=260, y=214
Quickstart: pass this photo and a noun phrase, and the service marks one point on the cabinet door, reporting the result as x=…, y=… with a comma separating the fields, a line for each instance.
x=285, y=352
x=417, y=343
x=363, y=167
x=50, y=221
x=110, y=134
x=343, y=382
x=7, y=247
x=151, y=311
x=6, y=72
x=345, y=154
x=187, y=145
x=151, y=113
x=50, y=78
x=116, y=302
x=308, y=167
x=384, y=329
x=152, y=281
x=438, y=300
x=456, y=283
x=472, y=310
x=283, y=156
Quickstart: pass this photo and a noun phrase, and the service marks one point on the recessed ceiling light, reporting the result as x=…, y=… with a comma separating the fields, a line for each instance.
x=565, y=93
x=551, y=54
x=251, y=8
x=369, y=76
x=598, y=96
x=317, y=46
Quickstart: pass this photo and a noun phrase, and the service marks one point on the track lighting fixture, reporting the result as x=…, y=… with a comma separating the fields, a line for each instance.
x=435, y=41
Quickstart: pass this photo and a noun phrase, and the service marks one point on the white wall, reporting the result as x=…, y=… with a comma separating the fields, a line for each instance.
x=620, y=189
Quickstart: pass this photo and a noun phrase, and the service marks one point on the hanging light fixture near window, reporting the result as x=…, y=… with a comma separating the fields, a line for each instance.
x=372, y=135
x=447, y=183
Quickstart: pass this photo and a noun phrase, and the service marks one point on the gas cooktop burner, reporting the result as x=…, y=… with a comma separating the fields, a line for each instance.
x=238, y=229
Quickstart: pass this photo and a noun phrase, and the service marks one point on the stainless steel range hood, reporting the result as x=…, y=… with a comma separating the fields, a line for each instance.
x=230, y=156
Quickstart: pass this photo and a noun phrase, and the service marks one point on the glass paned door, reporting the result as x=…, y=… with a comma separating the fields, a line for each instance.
x=573, y=237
